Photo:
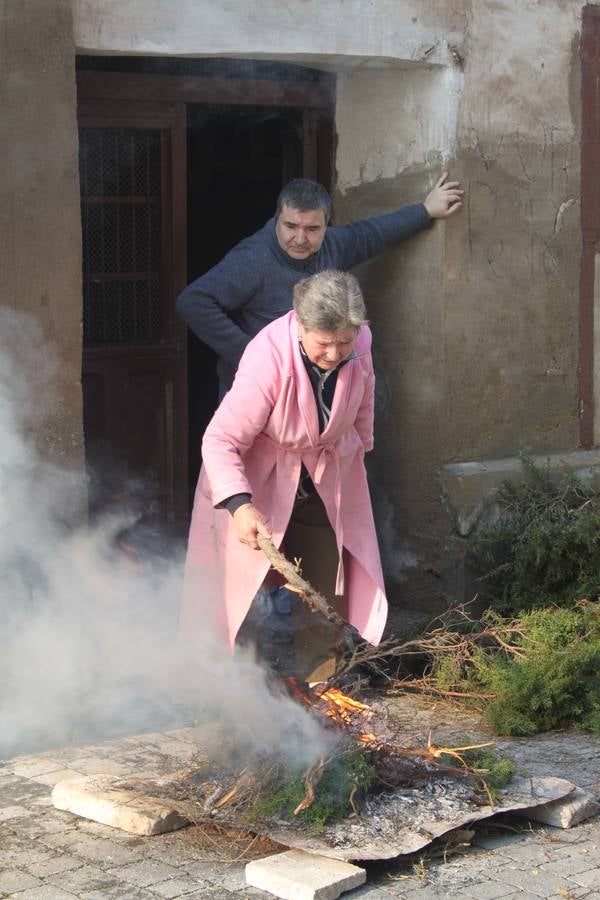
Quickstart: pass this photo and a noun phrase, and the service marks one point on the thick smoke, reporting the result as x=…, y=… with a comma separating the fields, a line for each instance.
x=88, y=638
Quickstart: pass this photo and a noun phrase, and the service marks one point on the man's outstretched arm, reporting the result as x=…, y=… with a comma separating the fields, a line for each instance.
x=355, y=243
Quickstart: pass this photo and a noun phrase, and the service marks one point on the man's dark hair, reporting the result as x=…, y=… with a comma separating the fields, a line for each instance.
x=304, y=195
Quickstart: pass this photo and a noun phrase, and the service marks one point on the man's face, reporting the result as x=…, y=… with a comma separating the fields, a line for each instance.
x=300, y=234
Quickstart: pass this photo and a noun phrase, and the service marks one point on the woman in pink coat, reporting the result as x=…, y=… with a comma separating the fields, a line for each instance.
x=284, y=456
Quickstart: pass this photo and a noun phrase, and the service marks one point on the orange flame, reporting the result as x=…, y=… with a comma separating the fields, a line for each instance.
x=342, y=710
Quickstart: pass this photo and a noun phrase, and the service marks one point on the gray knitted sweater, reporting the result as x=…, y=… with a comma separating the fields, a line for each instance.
x=253, y=283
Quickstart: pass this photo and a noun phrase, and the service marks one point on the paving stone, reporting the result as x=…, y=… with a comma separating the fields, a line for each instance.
x=35, y=765
x=560, y=838
x=570, y=865
x=153, y=738
x=147, y=872
x=524, y=895
x=96, y=797
x=488, y=890
x=44, y=892
x=181, y=750
x=83, y=880
x=60, y=863
x=93, y=848
x=43, y=802
x=119, y=892
x=234, y=879
x=52, y=778
x=528, y=852
x=176, y=855
x=175, y=887
x=150, y=763
x=216, y=893
x=15, y=790
x=18, y=853
x=13, y=812
x=536, y=881
x=203, y=871
x=44, y=824
x=373, y=892
x=588, y=879
x=297, y=875
x=6, y=777
x=93, y=765
x=584, y=893
x=135, y=845
x=566, y=812
x=62, y=840
x=12, y=880
x=182, y=734
x=426, y=893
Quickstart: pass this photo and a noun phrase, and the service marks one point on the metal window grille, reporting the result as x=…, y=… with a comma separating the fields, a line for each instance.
x=120, y=211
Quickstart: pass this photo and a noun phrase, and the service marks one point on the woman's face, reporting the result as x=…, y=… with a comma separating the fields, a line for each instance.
x=327, y=349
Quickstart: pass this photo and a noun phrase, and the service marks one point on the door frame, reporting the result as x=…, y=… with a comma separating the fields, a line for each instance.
x=315, y=98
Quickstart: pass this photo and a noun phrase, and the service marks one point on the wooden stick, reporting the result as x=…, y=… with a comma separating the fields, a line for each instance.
x=297, y=583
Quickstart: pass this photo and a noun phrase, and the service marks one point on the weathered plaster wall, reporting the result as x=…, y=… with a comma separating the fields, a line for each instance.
x=512, y=273
x=40, y=232
x=331, y=32
x=394, y=135
x=476, y=322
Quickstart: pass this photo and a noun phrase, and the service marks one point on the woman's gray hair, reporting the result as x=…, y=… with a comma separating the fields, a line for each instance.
x=330, y=301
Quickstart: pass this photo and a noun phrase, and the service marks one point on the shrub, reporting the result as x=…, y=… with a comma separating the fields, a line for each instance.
x=550, y=682
x=544, y=550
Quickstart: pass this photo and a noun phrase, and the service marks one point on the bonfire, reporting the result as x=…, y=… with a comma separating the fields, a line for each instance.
x=364, y=764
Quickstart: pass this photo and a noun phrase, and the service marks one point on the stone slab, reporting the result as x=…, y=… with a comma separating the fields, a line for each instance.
x=99, y=798
x=567, y=811
x=297, y=875
x=471, y=487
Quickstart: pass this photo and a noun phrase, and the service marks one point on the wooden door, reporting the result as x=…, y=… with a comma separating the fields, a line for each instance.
x=133, y=183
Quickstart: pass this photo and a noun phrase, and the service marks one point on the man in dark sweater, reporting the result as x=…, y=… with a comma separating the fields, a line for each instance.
x=253, y=283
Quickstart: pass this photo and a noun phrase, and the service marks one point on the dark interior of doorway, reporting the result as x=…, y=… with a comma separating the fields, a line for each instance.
x=239, y=157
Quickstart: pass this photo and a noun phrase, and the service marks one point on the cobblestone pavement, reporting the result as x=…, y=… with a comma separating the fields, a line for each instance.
x=46, y=854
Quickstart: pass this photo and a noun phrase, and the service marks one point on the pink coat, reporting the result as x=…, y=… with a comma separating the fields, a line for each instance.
x=264, y=429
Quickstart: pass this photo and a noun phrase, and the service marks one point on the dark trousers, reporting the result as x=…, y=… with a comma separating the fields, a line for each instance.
x=288, y=636
x=310, y=538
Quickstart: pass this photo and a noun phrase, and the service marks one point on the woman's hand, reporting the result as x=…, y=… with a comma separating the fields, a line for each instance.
x=249, y=523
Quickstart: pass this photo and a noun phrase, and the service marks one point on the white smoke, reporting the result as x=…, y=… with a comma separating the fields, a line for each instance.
x=88, y=640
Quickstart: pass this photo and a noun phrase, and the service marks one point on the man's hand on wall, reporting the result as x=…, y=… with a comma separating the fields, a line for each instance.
x=249, y=523
x=444, y=199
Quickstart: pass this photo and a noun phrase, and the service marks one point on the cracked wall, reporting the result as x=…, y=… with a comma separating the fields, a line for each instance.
x=476, y=323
